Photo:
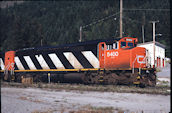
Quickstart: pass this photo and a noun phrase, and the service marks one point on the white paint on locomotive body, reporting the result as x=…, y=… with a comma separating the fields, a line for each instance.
x=2, y=64
x=91, y=58
x=18, y=63
x=42, y=62
x=56, y=61
x=72, y=59
x=29, y=62
x=128, y=39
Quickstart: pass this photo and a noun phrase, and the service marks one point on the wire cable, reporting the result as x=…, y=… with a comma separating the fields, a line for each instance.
x=146, y=9
x=98, y=21
x=132, y=20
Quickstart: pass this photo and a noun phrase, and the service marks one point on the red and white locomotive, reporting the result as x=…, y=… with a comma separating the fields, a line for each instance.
x=113, y=61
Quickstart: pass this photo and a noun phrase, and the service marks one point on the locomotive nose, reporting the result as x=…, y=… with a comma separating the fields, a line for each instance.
x=9, y=60
x=138, y=57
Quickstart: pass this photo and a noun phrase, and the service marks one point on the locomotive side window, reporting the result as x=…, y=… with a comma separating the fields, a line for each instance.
x=102, y=46
x=123, y=44
x=109, y=47
x=115, y=45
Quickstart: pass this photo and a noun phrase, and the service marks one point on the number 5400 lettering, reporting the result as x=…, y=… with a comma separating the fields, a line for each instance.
x=112, y=54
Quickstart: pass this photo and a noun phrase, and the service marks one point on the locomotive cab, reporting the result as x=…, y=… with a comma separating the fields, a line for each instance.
x=128, y=42
x=124, y=43
x=121, y=54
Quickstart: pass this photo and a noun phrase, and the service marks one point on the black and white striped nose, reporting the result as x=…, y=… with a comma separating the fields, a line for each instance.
x=56, y=60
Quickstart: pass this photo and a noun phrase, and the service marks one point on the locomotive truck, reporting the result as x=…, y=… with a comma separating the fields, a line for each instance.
x=111, y=61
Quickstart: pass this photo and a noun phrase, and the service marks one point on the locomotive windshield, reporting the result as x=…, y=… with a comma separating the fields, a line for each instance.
x=109, y=47
x=115, y=45
x=130, y=44
x=123, y=44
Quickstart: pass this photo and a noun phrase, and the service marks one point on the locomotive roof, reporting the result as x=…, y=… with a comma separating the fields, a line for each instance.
x=90, y=42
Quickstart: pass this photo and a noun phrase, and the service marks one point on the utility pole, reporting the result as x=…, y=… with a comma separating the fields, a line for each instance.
x=80, y=39
x=41, y=41
x=121, y=18
x=98, y=21
x=143, y=29
x=143, y=33
x=153, y=23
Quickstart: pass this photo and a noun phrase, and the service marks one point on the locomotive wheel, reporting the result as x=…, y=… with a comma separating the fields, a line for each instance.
x=95, y=79
x=86, y=78
x=36, y=78
x=147, y=80
x=112, y=79
x=7, y=77
x=144, y=81
x=123, y=79
x=152, y=80
x=142, y=85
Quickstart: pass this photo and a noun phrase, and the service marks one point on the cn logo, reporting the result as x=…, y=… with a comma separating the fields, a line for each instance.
x=139, y=60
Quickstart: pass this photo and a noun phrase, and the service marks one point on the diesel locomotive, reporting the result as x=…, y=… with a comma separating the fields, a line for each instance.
x=111, y=61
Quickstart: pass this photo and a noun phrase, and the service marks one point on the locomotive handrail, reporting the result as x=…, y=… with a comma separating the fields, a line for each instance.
x=142, y=63
x=6, y=68
x=133, y=65
x=12, y=69
x=139, y=65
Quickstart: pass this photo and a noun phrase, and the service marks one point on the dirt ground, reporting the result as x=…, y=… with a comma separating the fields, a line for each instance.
x=35, y=100
x=165, y=72
x=41, y=100
x=164, y=76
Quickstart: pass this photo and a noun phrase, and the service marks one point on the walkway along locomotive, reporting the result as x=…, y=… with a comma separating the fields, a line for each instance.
x=113, y=61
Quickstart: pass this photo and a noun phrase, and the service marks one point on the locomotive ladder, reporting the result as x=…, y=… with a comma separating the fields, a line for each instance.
x=7, y=69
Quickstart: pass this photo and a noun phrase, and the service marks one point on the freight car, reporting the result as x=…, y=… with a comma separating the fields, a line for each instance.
x=112, y=61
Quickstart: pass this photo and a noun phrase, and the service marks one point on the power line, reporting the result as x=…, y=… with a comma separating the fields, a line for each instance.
x=146, y=9
x=93, y=23
x=98, y=21
x=132, y=20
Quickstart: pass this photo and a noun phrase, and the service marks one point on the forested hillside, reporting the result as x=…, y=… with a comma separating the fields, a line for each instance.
x=57, y=22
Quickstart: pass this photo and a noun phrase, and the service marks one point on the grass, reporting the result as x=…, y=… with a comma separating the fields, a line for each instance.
x=159, y=89
x=83, y=109
x=92, y=109
x=163, y=83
